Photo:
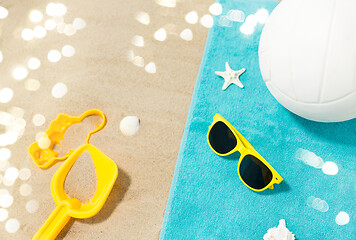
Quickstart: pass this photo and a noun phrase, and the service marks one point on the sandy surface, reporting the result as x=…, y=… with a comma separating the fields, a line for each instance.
x=100, y=75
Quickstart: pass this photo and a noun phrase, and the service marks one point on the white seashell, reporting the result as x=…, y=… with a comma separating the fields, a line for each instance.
x=279, y=233
x=129, y=125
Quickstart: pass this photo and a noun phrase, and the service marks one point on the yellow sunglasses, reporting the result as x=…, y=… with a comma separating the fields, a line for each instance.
x=254, y=171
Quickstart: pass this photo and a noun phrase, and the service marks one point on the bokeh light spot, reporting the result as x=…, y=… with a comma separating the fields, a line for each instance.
x=342, y=218
x=33, y=63
x=61, y=9
x=32, y=206
x=247, y=29
x=215, y=9
x=251, y=20
x=3, y=191
x=7, y=182
x=310, y=200
x=151, y=68
x=236, y=15
x=317, y=204
x=39, y=32
x=32, y=84
x=54, y=56
x=51, y=9
x=36, y=16
x=6, y=95
x=56, y=9
x=309, y=158
x=207, y=21
x=325, y=207
x=39, y=135
x=59, y=90
x=130, y=55
x=58, y=19
x=138, y=41
x=68, y=51
x=143, y=18
x=12, y=225
x=25, y=189
x=11, y=174
x=6, y=200
x=60, y=27
x=3, y=12
x=186, y=34
x=5, y=118
x=262, y=15
x=4, y=214
x=138, y=61
x=3, y=166
x=8, y=138
x=19, y=73
x=167, y=3
x=69, y=30
x=79, y=23
x=38, y=120
x=5, y=154
x=50, y=24
x=330, y=168
x=224, y=21
x=44, y=142
x=24, y=174
x=27, y=34
x=1, y=57
x=192, y=17
x=160, y=34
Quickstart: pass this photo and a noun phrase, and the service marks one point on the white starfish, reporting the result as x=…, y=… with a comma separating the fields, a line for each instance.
x=231, y=76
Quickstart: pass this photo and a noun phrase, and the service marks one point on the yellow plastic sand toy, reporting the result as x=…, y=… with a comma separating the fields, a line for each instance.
x=45, y=158
x=106, y=172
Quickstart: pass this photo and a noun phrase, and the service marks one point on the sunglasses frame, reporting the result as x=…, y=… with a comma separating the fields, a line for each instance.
x=245, y=148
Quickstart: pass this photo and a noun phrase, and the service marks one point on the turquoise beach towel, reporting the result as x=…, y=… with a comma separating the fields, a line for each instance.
x=207, y=199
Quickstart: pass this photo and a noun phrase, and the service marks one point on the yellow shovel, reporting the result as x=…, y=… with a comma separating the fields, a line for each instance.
x=106, y=173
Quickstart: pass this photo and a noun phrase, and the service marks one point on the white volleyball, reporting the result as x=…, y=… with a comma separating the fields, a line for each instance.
x=129, y=125
x=307, y=56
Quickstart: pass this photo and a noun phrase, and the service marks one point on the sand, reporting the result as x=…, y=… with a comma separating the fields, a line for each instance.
x=99, y=75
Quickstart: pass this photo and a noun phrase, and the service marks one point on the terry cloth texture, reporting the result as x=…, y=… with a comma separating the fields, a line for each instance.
x=207, y=199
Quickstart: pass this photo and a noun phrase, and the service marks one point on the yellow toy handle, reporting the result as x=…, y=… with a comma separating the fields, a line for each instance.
x=98, y=127
x=54, y=223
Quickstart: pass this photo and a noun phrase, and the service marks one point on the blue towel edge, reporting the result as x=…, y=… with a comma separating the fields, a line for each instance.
x=185, y=134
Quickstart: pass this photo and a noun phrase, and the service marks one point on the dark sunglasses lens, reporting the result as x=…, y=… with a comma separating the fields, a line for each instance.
x=221, y=138
x=254, y=173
